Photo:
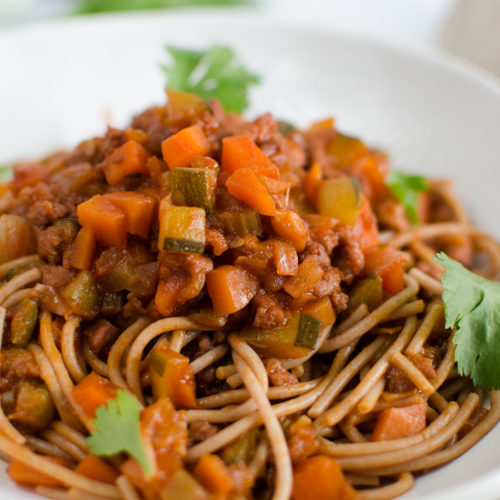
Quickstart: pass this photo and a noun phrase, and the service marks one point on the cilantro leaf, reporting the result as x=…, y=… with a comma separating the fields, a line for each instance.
x=472, y=307
x=94, y=6
x=117, y=430
x=405, y=188
x=5, y=173
x=213, y=74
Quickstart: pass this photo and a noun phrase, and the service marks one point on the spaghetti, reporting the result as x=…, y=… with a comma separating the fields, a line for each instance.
x=206, y=266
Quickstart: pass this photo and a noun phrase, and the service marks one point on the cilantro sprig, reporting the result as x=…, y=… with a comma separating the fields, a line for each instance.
x=117, y=430
x=472, y=307
x=406, y=188
x=95, y=6
x=212, y=74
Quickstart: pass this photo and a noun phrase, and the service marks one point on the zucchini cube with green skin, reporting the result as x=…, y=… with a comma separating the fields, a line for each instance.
x=82, y=295
x=241, y=222
x=23, y=322
x=367, y=291
x=182, y=229
x=293, y=340
x=193, y=187
x=340, y=198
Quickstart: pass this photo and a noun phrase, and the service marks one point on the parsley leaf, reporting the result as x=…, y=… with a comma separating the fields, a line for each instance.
x=405, y=188
x=117, y=430
x=472, y=306
x=5, y=173
x=214, y=74
x=94, y=6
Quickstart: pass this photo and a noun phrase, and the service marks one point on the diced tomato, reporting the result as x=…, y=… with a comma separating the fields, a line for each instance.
x=400, y=422
x=389, y=264
x=93, y=392
x=366, y=229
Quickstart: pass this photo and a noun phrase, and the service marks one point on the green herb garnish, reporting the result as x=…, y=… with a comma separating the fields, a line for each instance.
x=212, y=74
x=406, y=188
x=472, y=306
x=5, y=173
x=117, y=430
x=96, y=6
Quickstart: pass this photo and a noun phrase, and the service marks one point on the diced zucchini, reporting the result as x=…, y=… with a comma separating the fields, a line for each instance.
x=82, y=295
x=346, y=150
x=293, y=340
x=193, y=187
x=34, y=407
x=241, y=223
x=207, y=317
x=16, y=237
x=367, y=291
x=112, y=303
x=241, y=450
x=68, y=226
x=23, y=322
x=182, y=229
x=340, y=198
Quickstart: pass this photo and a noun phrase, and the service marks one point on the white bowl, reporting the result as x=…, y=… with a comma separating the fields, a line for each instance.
x=62, y=82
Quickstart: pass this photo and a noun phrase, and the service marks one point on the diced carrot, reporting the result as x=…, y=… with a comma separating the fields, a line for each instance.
x=83, y=249
x=180, y=149
x=274, y=186
x=312, y=183
x=320, y=478
x=400, y=422
x=321, y=126
x=137, y=135
x=366, y=229
x=138, y=209
x=156, y=167
x=244, y=185
x=290, y=226
x=95, y=468
x=172, y=377
x=130, y=158
x=214, y=474
x=92, y=392
x=389, y=264
x=285, y=259
x=230, y=288
x=28, y=174
x=371, y=170
x=239, y=151
x=310, y=272
x=107, y=221
x=27, y=476
x=321, y=309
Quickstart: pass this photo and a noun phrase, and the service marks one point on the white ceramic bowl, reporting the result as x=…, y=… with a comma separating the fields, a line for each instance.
x=62, y=82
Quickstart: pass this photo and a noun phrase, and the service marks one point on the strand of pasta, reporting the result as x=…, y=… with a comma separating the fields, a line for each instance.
x=372, y=448
x=489, y=245
x=68, y=351
x=373, y=318
x=17, y=282
x=127, y=489
x=357, y=479
x=70, y=434
x=152, y=331
x=258, y=463
x=424, y=252
x=209, y=358
x=56, y=360
x=93, y=360
x=49, y=377
x=402, y=485
x=351, y=432
x=118, y=349
x=78, y=494
x=177, y=340
x=347, y=374
x=27, y=260
x=65, y=445
x=277, y=440
x=338, y=412
x=446, y=365
x=369, y=401
x=6, y=426
x=426, y=281
x=434, y=314
x=17, y=296
x=452, y=388
x=46, y=448
x=412, y=372
x=408, y=309
x=53, y=493
x=62, y=474
x=429, y=231
x=239, y=395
